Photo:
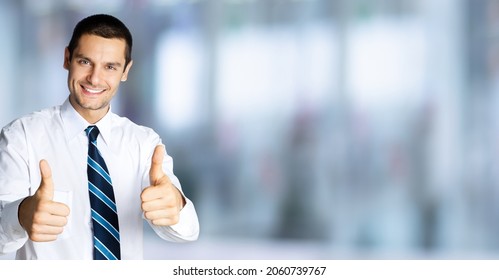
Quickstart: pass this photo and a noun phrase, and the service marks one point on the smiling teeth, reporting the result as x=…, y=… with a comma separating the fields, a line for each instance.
x=93, y=90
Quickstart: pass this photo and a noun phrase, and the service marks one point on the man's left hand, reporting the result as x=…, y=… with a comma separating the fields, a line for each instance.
x=161, y=201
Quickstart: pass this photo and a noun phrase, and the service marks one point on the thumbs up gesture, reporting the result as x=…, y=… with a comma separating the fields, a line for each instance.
x=41, y=217
x=161, y=201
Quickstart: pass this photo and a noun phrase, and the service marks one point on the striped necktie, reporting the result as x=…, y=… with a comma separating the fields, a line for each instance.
x=102, y=203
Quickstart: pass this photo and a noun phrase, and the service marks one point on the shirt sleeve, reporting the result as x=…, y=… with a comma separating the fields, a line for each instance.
x=14, y=187
x=12, y=235
x=187, y=229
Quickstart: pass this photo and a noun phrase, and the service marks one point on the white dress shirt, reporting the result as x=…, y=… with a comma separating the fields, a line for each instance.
x=57, y=135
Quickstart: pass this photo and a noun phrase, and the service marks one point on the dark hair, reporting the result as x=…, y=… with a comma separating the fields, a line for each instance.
x=104, y=26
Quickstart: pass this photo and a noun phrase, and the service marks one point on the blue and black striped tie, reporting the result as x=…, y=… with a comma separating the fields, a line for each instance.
x=102, y=203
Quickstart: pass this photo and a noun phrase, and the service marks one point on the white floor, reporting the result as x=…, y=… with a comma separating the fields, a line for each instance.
x=258, y=249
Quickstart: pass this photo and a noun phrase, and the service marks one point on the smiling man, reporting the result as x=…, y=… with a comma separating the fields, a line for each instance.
x=76, y=180
x=96, y=68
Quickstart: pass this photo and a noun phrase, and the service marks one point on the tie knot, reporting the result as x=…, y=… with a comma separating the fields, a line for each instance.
x=92, y=133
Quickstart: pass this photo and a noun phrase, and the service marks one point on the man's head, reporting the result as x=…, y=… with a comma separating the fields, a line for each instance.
x=105, y=26
x=97, y=59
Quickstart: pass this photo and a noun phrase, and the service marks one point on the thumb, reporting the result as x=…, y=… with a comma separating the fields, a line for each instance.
x=46, y=189
x=156, y=171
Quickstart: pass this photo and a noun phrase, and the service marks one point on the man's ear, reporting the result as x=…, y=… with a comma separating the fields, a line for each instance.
x=124, y=77
x=66, y=59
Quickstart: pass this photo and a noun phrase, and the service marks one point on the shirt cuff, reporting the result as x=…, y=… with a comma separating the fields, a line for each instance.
x=11, y=229
x=188, y=224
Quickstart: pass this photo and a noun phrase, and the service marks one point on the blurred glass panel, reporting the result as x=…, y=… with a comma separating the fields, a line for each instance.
x=179, y=66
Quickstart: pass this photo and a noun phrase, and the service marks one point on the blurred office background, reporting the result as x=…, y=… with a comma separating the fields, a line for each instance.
x=301, y=129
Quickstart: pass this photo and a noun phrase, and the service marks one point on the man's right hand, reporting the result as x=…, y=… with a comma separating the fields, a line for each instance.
x=42, y=217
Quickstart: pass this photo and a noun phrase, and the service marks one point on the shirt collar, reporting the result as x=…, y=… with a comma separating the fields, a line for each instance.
x=74, y=123
x=104, y=126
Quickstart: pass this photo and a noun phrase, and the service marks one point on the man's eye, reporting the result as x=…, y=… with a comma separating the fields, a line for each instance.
x=110, y=67
x=84, y=62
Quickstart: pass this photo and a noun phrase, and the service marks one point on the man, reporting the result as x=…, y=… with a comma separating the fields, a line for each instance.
x=76, y=180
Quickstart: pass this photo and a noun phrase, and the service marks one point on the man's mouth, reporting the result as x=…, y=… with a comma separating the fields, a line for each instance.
x=92, y=90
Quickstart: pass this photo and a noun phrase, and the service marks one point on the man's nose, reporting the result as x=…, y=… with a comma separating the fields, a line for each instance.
x=94, y=76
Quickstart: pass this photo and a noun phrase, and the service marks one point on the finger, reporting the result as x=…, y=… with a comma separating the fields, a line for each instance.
x=57, y=221
x=47, y=229
x=153, y=192
x=153, y=205
x=156, y=171
x=159, y=214
x=162, y=217
x=165, y=221
x=159, y=204
x=41, y=237
x=59, y=209
x=46, y=189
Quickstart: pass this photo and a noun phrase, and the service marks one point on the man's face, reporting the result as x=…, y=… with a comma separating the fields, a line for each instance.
x=94, y=73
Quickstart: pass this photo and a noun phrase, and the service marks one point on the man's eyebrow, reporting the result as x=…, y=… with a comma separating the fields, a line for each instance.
x=79, y=55
x=114, y=64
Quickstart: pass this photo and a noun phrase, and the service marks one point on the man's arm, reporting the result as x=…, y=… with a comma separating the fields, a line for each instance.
x=14, y=186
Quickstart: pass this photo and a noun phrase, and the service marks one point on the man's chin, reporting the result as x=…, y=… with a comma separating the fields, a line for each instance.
x=91, y=104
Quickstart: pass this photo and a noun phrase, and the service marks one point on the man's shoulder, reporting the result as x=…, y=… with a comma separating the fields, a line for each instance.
x=130, y=127
x=38, y=118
